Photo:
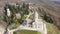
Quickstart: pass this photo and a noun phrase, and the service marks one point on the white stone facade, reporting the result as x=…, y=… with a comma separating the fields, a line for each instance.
x=8, y=12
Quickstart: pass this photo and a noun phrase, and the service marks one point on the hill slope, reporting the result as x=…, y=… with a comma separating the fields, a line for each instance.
x=52, y=8
x=52, y=29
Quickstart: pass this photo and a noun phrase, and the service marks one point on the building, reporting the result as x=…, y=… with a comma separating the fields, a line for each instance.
x=18, y=15
x=8, y=12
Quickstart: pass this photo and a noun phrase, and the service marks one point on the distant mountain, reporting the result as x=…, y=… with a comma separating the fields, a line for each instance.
x=57, y=2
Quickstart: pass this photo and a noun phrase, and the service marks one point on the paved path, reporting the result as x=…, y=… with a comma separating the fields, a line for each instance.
x=21, y=27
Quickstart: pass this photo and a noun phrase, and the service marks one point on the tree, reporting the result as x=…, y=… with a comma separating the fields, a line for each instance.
x=47, y=18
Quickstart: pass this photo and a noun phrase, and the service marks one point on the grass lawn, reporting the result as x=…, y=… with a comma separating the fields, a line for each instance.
x=14, y=25
x=52, y=29
x=26, y=32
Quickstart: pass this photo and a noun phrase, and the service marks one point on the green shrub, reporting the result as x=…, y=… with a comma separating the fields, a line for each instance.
x=47, y=18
